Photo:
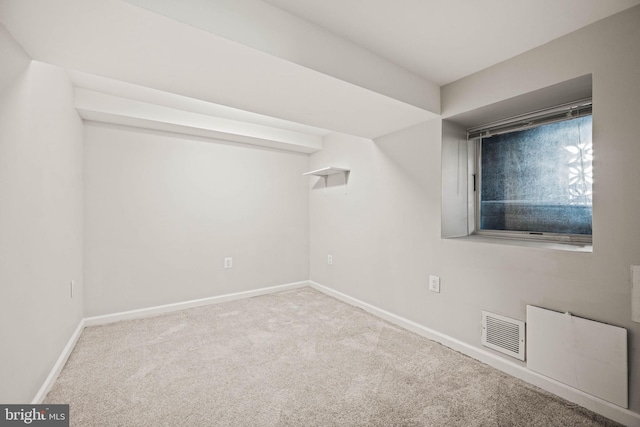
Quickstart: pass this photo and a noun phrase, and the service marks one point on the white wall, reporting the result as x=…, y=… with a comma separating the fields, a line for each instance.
x=40, y=219
x=163, y=210
x=14, y=60
x=384, y=235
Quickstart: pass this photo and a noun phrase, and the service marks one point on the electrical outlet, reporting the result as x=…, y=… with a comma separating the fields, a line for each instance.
x=228, y=262
x=330, y=259
x=434, y=284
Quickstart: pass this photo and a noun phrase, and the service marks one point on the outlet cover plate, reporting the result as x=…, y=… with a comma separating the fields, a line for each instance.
x=434, y=284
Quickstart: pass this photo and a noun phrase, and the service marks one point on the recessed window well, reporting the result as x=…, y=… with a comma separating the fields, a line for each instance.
x=534, y=176
x=527, y=177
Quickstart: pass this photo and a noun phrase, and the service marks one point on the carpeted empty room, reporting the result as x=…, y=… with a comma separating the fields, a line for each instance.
x=319, y=213
x=294, y=358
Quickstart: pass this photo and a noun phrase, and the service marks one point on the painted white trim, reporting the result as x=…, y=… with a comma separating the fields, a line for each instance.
x=168, y=308
x=595, y=404
x=146, y=312
x=57, y=367
x=609, y=410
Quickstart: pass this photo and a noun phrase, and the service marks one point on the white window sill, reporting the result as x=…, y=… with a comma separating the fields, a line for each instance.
x=526, y=243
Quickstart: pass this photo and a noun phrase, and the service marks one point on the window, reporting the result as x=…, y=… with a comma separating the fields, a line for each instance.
x=534, y=175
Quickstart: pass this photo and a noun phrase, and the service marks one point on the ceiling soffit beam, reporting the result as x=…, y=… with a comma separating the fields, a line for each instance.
x=120, y=41
x=100, y=107
x=269, y=29
x=117, y=88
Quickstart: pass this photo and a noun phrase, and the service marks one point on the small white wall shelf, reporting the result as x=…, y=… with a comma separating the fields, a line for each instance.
x=330, y=170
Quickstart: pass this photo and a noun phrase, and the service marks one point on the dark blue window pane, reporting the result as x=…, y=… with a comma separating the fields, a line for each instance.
x=539, y=179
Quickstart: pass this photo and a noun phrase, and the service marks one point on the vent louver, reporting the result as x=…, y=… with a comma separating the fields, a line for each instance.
x=503, y=334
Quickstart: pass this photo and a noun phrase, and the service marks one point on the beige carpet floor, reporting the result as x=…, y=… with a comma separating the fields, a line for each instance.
x=295, y=358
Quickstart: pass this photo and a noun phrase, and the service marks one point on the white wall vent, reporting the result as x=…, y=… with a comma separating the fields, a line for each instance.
x=503, y=334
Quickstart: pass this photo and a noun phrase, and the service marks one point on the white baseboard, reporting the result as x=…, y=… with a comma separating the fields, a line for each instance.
x=146, y=312
x=595, y=404
x=609, y=410
x=168, y=308
x=57, y=367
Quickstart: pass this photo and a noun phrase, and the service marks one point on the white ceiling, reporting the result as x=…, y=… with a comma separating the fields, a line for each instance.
x=311, y=67
x=445, y=40
x=123, y=42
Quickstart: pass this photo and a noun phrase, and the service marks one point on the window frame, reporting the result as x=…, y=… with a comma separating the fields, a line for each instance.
x=522, y=122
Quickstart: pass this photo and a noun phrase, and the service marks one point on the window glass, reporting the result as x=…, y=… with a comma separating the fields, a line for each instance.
x=538, y=180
